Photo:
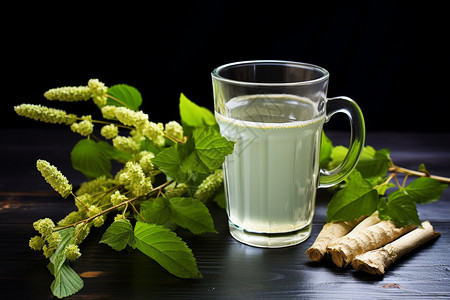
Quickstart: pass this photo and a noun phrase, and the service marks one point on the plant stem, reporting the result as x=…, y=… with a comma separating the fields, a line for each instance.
x=103, y=193
x=134, y=208
x=109, y=123
x=173, y=139
x=158, y=188
x=398, y=169
x=117, y=100
x=386, y=181
x=76, y=198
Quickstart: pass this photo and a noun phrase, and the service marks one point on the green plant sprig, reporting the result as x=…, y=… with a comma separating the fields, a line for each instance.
x=114, y=207
x=184, y=161
x=422, y=172
x=366, y=189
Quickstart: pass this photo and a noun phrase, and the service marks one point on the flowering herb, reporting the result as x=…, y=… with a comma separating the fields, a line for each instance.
x=167, y=174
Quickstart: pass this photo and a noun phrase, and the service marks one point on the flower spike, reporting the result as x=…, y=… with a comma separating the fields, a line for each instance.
x=54, y=177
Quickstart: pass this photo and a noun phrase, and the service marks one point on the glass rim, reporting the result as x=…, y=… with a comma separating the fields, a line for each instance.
x=325, y=74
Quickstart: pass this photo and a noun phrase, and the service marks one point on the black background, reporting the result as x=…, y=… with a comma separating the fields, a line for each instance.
x=389, y=56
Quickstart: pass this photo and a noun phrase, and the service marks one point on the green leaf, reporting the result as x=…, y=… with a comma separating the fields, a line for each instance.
x=371, y=163
x=186, y=212
x=357, y=198
x=119, y=235
x=170, y=161
x=326, y=148
x=399, y=209
x=91, y=159
x=374, y=163
x=423, y=168
x=203, y=152
x=67, y=282
x=337, y=155
x=191, y=214
x=127, y=95
x=382, y=188
x=211, y=147
x=191, y=164
x=58, y=258
x=193, y=115
x=156, y=211
x=425, y=190
x=167, y=249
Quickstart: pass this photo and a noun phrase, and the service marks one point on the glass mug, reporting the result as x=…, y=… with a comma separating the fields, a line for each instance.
x=275, y=111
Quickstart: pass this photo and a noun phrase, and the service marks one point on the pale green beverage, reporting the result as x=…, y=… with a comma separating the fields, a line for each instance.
x=275, y=110
x=272, y=175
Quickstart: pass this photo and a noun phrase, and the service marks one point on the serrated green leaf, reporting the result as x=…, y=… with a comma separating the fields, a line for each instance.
x=372, y=163
x=399, y=209
x=193, y=115
x=191, y=214
x=357, y=198
x=119, y=234
x=192, y=163
x=170, y=162
x=129, y=96
x=425, y=190
x=58, y=258
x=156, y=211
x=167, y=249
x=203, y=152
x=91, y=159
x=211, y=147
x=67, y=282
x=381, y=189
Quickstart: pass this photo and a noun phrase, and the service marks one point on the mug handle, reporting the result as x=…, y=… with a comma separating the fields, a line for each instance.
x=358, y=134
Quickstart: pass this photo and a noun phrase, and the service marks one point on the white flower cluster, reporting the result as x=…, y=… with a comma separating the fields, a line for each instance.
x=54, y=177
x=135, y=180
x=85, y=127
x=126, y=143
x=48, y=241
x=176, y=190
x=175, y=130
x=93, y=211
x=118, y=198
x=209, y=186
x=98, y=92
x=45, y=114
x=144, y=128
x=95, y=90
x=69, y=93
x=109, y=131
x=72, y=252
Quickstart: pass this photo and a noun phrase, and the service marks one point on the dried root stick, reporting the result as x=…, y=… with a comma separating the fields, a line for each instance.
x=376, y=261
x=333, y=231
x=367, y=222
x=357, y=242
x=329, y=233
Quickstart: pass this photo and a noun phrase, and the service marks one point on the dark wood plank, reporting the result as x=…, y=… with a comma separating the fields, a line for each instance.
x=230, y=269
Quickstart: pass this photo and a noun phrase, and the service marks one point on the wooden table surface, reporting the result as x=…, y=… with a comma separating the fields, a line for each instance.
x=231, y=270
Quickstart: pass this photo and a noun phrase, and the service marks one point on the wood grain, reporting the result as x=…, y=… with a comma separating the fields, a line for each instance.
x=231, y=270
